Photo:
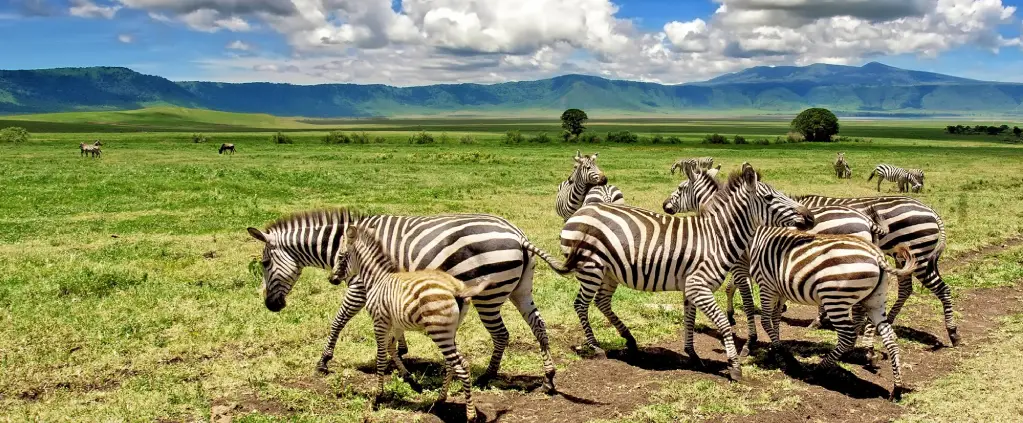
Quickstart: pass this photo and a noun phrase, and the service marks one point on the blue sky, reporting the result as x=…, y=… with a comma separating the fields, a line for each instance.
x=414, y=42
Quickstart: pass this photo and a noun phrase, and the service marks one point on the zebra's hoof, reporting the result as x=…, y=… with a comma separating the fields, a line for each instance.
x=485, y=378
x=321, y=367
x=631, y=344
x=746, y=350
x=548, y=384
x=735, y=374
x=953, y=336
x=896, y=394
x=402, y=351
x=694, y=359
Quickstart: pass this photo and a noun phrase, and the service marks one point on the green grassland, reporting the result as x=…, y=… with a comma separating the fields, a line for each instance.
x=125, y=293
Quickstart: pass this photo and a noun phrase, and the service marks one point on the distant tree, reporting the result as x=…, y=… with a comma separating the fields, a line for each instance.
x=573, y=121
x=1004, y=127
x=952, y=129
x=13, y=134
x=1016, y=131
x=816, y=124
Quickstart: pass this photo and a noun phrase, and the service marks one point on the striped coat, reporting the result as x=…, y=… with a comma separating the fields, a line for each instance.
x=572, y=193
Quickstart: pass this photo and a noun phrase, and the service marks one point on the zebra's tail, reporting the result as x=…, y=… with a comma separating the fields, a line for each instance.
x=908, y=267
x=872, y=175
x=559, y=267
x=878, y=225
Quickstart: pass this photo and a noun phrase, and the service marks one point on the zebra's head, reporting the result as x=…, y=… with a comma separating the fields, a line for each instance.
x=766, y=206
x=586, y=171
x=693, y=192
x=280, y=271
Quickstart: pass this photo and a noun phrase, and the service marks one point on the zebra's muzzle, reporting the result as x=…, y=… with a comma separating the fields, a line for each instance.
x=275, y=304
x=669, y=207
x=807, y=220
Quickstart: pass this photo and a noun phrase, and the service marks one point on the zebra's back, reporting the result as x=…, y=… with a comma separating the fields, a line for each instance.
x=609, y=194
x=907, y=220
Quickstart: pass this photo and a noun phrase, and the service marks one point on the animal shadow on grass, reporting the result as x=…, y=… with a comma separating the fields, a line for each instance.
x=663, y=359
x=834, y=379
x=446, y=411
x=431, y=374
x=920, y=337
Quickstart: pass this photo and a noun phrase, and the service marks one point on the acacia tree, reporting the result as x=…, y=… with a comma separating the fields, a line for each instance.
x=572, y=121
x=816, y=124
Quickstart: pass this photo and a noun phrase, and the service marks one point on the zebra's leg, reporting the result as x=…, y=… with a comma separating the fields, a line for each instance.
x=889, y=339
x=770, y=313
x=905, y=290
x=490, y=315
x=522, y=298
x=930, y=277
x=730, y=300
x=444, y=338
x=590, y=278
x=689, y=326
x=700, y=292
x=741, y=279
x=862, y=321
x=603, y=300
x=393, y=352
x=355, y=300
x=380, y=332
x=840, y=315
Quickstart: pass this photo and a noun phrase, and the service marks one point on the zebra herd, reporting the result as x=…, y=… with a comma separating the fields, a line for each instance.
x=420, y=272
x=907, y=180
x=94, y=150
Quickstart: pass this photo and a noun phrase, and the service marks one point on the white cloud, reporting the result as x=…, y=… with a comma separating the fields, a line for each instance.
x=126, y=38
x=239, y=45
x=88, y=9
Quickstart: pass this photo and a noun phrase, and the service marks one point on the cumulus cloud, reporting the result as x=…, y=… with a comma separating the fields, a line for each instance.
x=88, y=9
x=239, y=45
x=126, y=38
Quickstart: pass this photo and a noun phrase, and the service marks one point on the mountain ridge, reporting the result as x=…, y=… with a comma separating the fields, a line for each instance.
x=871, y=88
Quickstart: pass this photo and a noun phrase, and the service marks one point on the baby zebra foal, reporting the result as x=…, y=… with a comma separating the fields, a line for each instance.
x=429, y=301
x=837, y=272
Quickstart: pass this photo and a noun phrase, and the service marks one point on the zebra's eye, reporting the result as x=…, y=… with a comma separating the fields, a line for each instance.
x=266, y=263
x=769, y=197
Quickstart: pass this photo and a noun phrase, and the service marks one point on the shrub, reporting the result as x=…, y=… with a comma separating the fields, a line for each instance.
x=568, y=137
x=589, y=138
x=816, y=124
x=361, y=138
x=379, y=139
x=793, y=137
x=623, y=137
x=200, y=138
x=541, y=138
x=14, y=134
x=739, y=140
x=657, y=139
x=513, y=137
x=421, y=138
x=281, y=138
x=674, y=140
x=1017, y=132
x=337, y=137
x=762, y=141
x=715, y=139
x=467, y=139
x=444, y=138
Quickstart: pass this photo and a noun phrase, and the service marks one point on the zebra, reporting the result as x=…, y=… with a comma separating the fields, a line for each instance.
x=842, y=169
x=831, y=220
x=470, y=247
x=612, y=244
x=571, y=193
x=604, y=194
x=906, y=179
x=428, y=301
x=98, y=143
x=704, y=163
x=226, y=147
x=906, y=220
x=92, y=150
x=836, y=272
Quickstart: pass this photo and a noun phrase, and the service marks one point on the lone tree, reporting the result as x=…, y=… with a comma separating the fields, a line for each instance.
x=572, y=121
x=816, y=124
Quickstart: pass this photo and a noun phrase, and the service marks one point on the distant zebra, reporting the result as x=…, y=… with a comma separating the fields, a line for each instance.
x=831, y=220
x=428, y=301
x=697, y=163
x=585, y=176
x=92, y=150
x=610, y=245
x=834, y=271
x=842, y=169
x=226, y=147
x=472, y=248
x=906, y=179
x=98, y=143
x=604, y=194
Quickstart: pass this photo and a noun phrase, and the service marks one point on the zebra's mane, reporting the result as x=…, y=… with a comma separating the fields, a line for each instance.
x=320, y=217
x=373, y=247
x=725, y=189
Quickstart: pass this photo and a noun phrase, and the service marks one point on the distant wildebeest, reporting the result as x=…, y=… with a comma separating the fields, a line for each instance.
x=226, y=147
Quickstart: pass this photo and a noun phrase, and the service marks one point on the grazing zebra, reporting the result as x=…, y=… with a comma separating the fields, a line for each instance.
x=697, y=163
x=842, y=169
x=472, y=248
x=830, y=220
x=906, y=179
x=585, y=176
x=226, y=147
x=604, y=194
x=92, y=150
x=428, y=301
x=612, y=244
x=98, y=143
x=835, y=272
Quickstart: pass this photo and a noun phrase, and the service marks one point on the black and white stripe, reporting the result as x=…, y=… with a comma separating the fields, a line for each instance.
x=835, y=272
x=609, y=194
x=610, y=245
x=470, y=247
x=428, y=301
x=585, y=176
x=693, y=164
x=906, y=179
x=842, y=169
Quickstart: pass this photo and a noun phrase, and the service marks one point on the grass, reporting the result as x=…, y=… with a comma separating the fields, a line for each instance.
x=125, y=294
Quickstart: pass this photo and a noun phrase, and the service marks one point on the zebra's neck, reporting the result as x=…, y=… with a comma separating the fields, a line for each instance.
x=373, y=263
x=730, y=225
x=317, y=245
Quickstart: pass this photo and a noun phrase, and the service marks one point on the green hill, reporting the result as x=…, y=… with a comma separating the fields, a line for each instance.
x=871, y=89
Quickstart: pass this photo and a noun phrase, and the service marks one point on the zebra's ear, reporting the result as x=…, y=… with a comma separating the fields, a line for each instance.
x=750, y=176
x=594, y=156
x=259, y=235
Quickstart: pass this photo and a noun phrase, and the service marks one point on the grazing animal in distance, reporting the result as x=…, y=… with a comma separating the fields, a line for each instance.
x=835, y=272
x=906, y=179
x=842, y=169
x=428, y=301
x=585, y=176
x=91, y=150
x=471, y=247
x=226, y=147
x=612, y=244
x=98, y=143
x=697, y=163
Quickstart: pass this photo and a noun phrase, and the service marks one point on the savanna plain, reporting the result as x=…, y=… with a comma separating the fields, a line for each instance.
x=126, y=291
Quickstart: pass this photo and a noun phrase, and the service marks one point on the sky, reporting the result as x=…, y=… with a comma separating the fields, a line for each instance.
x=418, y=42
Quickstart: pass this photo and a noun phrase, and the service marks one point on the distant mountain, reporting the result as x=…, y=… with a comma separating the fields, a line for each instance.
x=870, y=89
